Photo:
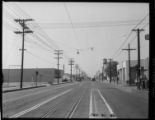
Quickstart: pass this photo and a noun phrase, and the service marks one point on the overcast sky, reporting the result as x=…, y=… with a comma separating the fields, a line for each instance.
x=71, y=26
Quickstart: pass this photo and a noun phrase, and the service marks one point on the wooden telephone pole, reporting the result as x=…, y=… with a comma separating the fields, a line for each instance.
x=138, y=46
x=58, y=53
x=129, y=49
x=110, y=68
x=25, y=30
x=71, y=63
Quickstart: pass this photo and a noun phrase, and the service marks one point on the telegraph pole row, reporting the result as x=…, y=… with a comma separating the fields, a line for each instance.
x=25, y=30
x=58, y=53
x=129, y=49
x=138, y=46
x=71, y=62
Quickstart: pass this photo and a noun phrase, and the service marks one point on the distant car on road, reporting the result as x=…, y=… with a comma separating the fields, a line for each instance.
x=65, y=80
x=93, y=79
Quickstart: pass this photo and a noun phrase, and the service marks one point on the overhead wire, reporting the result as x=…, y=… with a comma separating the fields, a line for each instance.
x=39, y=58
x=37, y=38
x=8, y=18
x=128, y=37
x=14, y=29
x=39, y=31
x=67, y=11
x=88, y=24
x=132, y=40
x=136, y=36
x=30, y=41
x=43, y=34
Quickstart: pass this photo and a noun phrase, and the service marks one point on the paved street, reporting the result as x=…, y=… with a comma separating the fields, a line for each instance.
x=84, y=99
x=76, y=60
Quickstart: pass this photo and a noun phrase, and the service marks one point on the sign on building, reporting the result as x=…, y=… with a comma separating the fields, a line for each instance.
x=147, y=37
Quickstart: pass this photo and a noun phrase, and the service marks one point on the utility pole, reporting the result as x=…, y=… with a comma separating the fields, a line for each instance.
x=129, y=49
x=64, y=68
x=79, y=74
x=110, y=68
x=138, y=46
x=102, y=70
x=25, y=30
x=71, y=62
x=76, y=68
x=36, y=76
x=58, y=53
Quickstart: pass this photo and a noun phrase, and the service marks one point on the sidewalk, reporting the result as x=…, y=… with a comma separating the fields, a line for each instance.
x=127, y=88
x=30, y=85
x=16, y=86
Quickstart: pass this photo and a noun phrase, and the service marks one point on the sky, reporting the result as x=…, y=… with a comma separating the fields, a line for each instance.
x=72, y=27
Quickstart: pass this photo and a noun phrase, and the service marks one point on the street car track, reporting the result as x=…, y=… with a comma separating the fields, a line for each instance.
x=75, y=105
x=59, y=103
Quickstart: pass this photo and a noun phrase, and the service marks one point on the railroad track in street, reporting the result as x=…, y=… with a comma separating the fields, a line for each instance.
x=74, y=106
x=52, y=110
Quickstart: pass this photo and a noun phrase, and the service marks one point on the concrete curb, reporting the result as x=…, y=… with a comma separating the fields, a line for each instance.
x=62, y=83
x=6, y=91
x=129, y=88
x=123, y=88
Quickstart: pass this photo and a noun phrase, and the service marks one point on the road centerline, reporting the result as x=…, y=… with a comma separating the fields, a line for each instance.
x=90, y=105
x=106, y=103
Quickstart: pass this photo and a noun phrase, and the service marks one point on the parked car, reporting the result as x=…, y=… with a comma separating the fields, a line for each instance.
x=65, y=80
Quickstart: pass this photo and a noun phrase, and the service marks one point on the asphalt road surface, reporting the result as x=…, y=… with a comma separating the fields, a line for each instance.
x=86, y=99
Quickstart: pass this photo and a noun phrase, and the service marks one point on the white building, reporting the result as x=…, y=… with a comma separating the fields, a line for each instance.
x=123, y=70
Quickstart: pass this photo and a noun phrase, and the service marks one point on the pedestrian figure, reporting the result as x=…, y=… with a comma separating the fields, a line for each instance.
x=117, y=79
x=143, y=79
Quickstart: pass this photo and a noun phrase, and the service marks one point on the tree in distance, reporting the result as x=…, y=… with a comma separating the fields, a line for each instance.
x=111, y=69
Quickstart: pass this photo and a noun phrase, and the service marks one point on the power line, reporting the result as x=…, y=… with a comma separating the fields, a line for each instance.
x=129, y=35
x=39, y=30
x=14, y=12
x=39, y=58
x=67, y=11
x=135, y=35
x=118, y=53
x=36, y=44
x=25, y=30
x=84, y=25
x=141, y=21
x=10, y=18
